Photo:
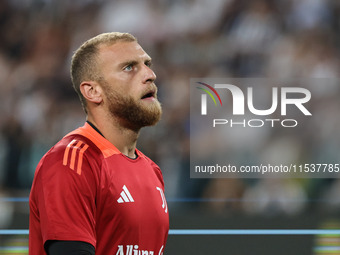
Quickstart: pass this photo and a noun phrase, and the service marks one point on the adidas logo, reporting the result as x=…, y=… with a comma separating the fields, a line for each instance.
x=125, y=196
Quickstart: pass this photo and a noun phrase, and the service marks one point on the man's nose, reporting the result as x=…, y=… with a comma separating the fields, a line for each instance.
x=149, y=75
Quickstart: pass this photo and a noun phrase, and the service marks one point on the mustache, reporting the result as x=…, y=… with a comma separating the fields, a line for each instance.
x=150, y=91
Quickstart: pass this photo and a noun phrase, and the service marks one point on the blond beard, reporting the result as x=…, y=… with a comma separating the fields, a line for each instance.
x=130, y=113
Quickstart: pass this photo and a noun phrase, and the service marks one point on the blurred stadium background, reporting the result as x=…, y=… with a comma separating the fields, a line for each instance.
x=186, y=38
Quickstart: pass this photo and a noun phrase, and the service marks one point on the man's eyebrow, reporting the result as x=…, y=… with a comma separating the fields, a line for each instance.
x=134, y=62
x=127, y=63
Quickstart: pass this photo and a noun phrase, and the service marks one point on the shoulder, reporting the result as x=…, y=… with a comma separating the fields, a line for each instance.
x=74, y=152
x=70, y=149
x=154, y=166
x=84, y=142
x=146, y=158
x=74, y=163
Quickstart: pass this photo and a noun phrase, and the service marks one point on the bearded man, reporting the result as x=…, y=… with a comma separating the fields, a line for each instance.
x=94, y=192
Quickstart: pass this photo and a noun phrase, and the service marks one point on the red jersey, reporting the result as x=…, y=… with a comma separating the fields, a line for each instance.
x=85, y=189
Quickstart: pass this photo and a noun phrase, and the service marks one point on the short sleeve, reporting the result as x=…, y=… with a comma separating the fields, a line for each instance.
x=65, y=195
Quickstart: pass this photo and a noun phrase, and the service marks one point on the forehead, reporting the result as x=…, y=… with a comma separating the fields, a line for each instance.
x=121, y=52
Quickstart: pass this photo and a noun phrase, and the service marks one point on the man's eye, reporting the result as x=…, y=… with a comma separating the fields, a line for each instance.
x=128, y=68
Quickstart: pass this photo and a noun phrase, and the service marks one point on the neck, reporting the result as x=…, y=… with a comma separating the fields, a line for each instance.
x=122, y=137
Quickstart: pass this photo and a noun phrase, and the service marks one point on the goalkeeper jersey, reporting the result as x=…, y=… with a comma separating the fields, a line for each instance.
x=85, y=189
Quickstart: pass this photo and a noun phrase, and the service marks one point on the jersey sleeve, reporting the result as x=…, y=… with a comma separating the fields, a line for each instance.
x=65, y=194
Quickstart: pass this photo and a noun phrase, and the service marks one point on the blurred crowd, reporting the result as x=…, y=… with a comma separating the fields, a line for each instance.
x=186, y=39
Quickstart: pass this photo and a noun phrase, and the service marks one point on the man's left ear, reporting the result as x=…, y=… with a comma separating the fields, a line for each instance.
x=92, y=91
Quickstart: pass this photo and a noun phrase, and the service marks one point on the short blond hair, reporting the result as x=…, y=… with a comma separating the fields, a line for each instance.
x=84, y=60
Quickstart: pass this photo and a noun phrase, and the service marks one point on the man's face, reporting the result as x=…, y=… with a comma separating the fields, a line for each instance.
x=130, y=91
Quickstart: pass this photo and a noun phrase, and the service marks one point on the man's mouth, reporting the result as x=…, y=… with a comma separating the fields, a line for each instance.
x=149, y=94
